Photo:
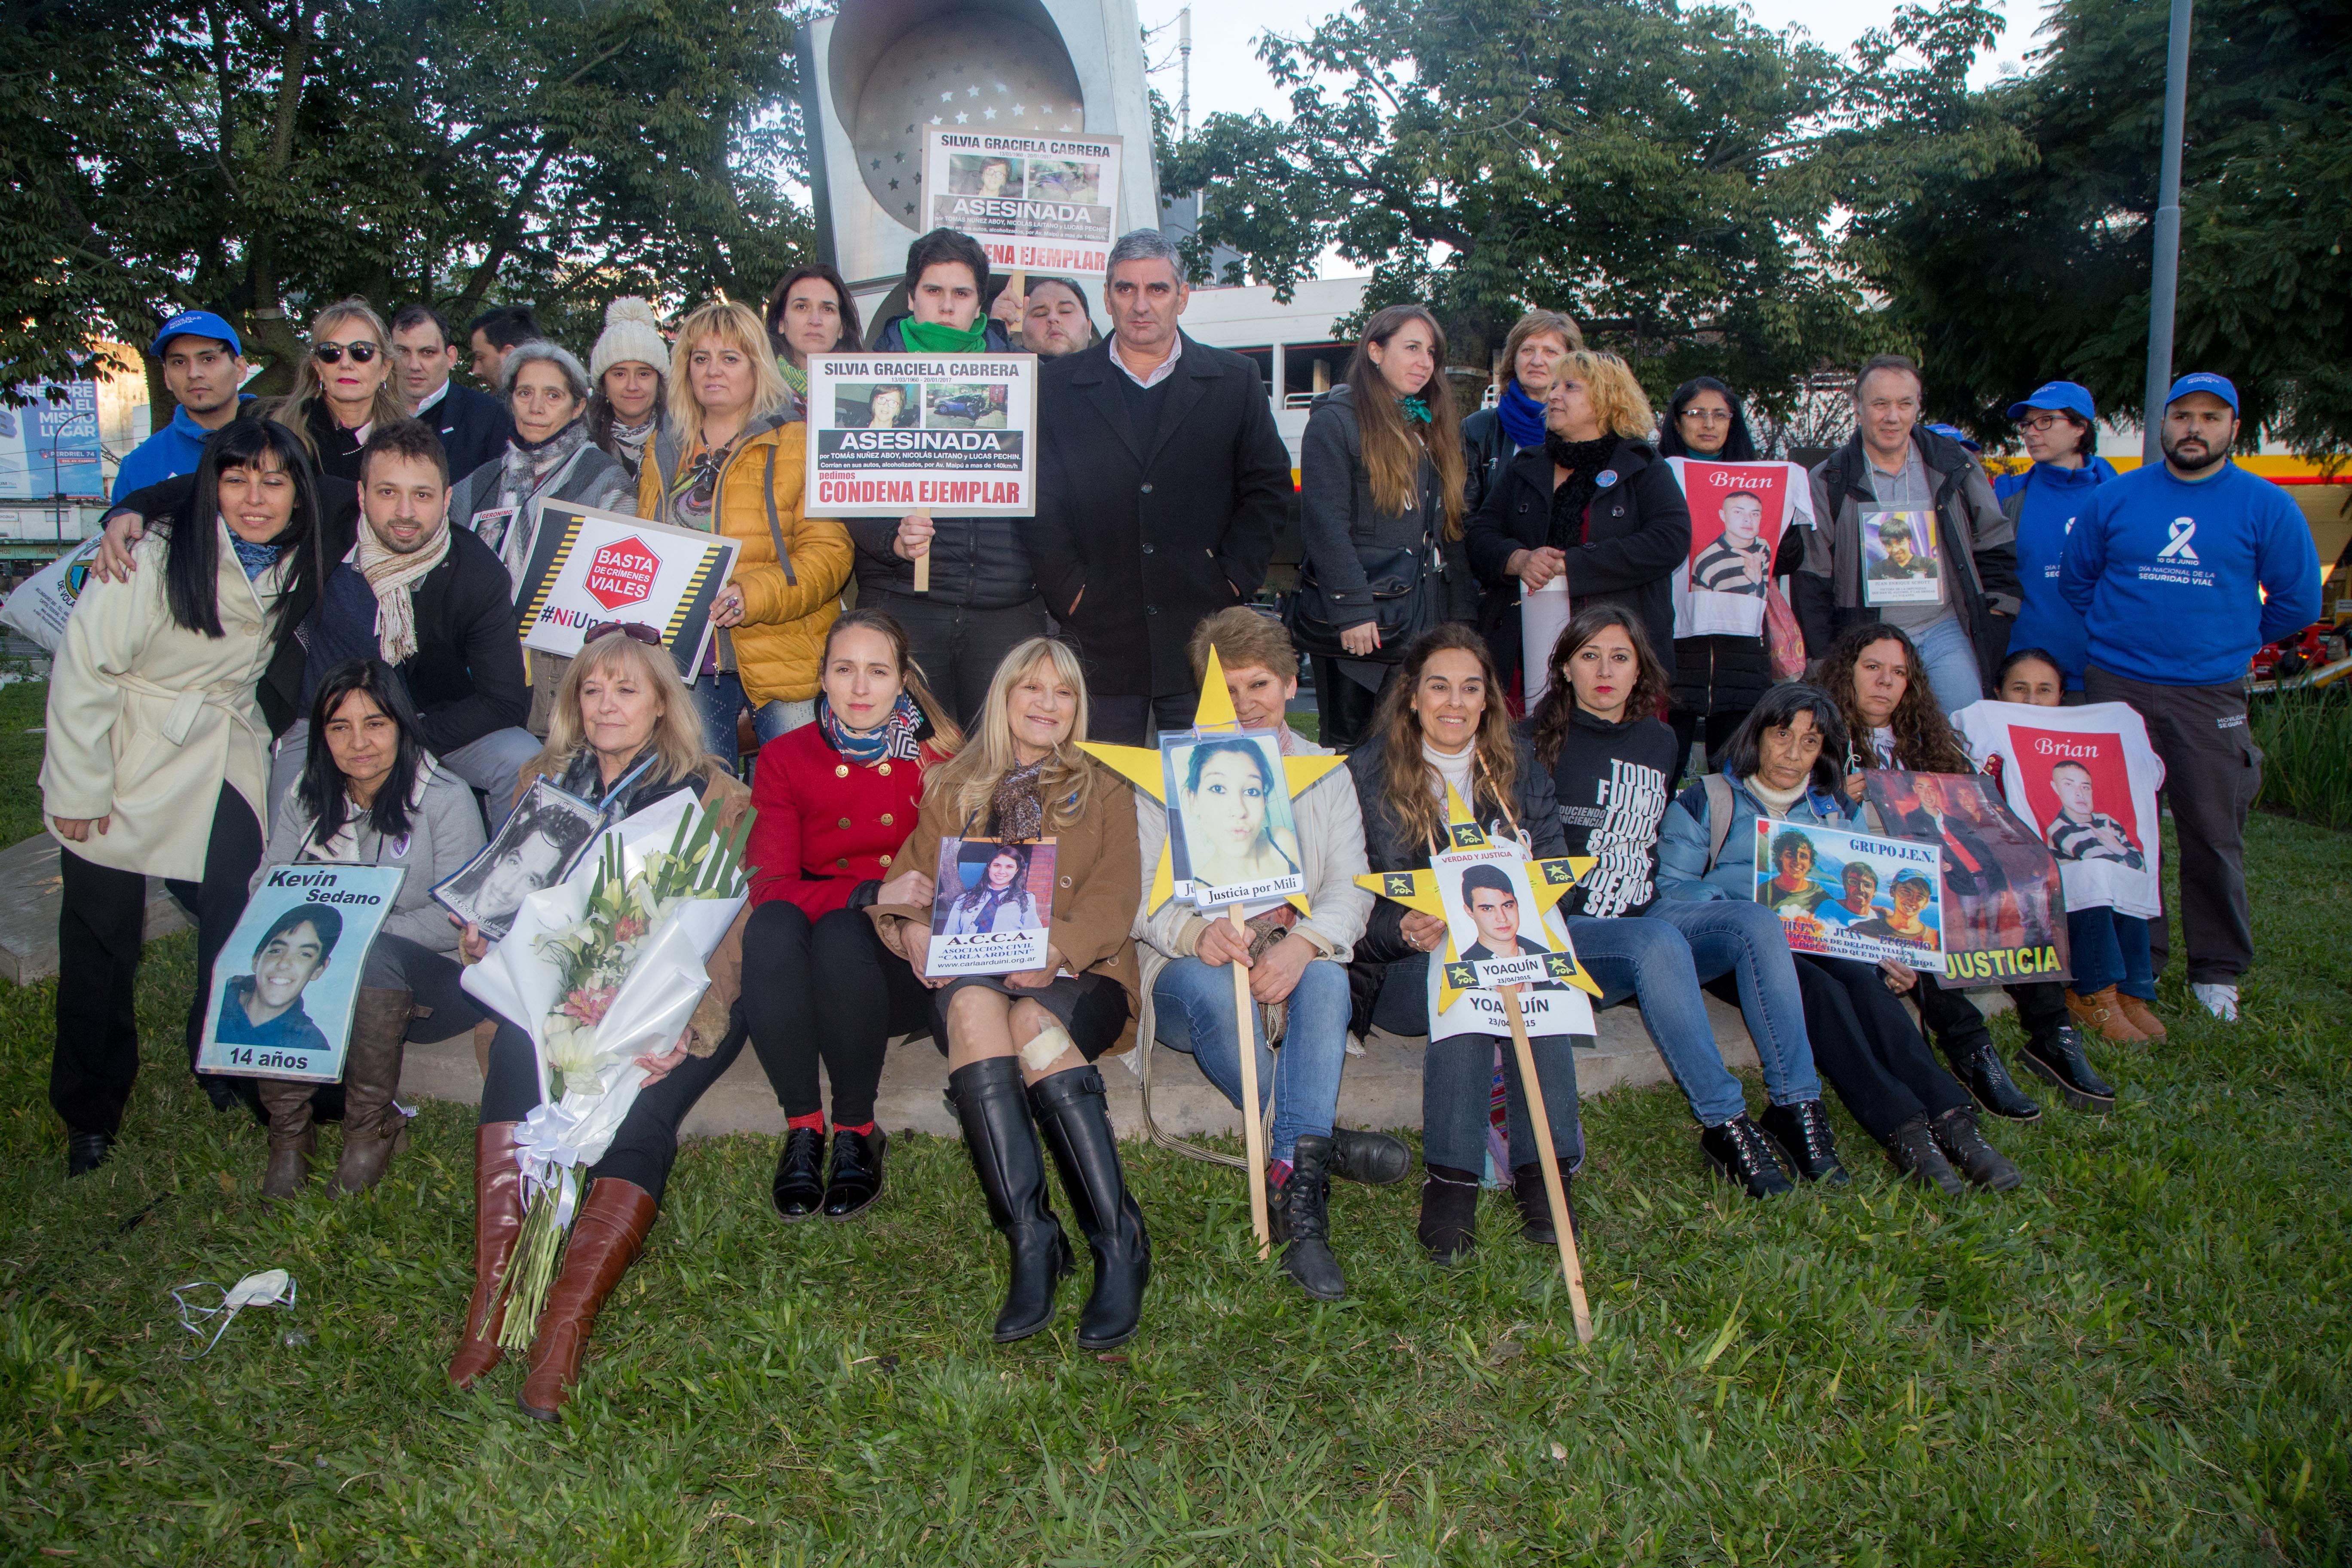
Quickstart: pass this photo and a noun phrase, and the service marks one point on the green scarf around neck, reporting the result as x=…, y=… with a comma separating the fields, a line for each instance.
x=938, y=338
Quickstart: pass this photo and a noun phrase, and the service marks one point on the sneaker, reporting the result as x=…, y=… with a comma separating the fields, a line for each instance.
x=2221, y=1000
x=1738, y=1153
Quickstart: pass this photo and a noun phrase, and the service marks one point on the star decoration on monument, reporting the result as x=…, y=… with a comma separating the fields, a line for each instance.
x=1140, y=766
x=1417, y=890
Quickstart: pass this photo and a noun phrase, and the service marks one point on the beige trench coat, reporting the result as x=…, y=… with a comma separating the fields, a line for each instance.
x=147, y=720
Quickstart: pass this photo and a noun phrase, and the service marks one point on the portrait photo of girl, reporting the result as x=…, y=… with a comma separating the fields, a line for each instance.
x=1235, y=830
x=988, y=890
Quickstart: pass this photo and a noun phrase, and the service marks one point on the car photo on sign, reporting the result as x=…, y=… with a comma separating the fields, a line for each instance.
x=954, y=407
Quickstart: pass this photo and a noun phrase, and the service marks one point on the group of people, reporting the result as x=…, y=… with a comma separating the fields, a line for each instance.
x=303, y=628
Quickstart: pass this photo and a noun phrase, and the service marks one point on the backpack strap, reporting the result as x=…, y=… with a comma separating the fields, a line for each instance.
x=1719, y=808
x=776, y=527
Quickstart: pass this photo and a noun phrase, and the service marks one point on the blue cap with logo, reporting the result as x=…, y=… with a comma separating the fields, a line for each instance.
x=197, y=324
x=2057, y=396
x=2203, y=381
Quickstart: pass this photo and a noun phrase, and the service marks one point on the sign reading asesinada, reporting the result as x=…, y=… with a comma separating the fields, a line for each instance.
x=1036, y=203
x=894, y=434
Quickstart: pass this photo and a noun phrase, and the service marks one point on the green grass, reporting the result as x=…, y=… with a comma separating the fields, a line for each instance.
x=2306, y=742
x=23, y=713
x=2138, y=1357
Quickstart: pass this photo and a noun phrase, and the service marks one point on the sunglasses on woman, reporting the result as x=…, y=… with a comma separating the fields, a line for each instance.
x=632, y=630
x=361, y=351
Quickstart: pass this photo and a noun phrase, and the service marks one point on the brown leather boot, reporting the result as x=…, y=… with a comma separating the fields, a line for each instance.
x=2099, y=1013
x=293, y=1136
x=497, y=1221
x=374, y=1130
x=605, y=1240
x=2140, y=1016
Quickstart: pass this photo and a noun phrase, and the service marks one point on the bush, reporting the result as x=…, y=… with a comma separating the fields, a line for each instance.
x=2306, y=742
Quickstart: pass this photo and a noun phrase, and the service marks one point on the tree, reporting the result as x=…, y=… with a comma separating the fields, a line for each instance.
x=263, y=157
x=2010, y=275
x=1677, y=178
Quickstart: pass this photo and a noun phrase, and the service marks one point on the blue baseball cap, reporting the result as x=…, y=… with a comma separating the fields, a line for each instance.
x=2203, y=381
x=1953, y=433
x=2057, y=396
x=197, y=324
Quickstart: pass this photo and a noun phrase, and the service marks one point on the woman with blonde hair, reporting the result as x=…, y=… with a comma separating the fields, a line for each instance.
x=729, y=460
x=1021, y=778
x=624, y=734
x=1596, y=505
x=1380, y=494
x=343, y=386
x=1491, y=437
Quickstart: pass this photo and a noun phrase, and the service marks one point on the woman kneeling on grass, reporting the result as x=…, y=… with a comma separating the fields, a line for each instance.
x=369, y=795
x=835, y=801
x=624, y=734
x=1021, y=777
x=1613, y=763
x=1441, y=721
x=1783, y=764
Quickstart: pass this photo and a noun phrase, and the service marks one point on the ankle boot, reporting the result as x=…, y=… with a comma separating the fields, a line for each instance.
x=1802, y=1132
x=2139, y=1015
x=2056, y=1055
x=1449, y=1214
x=1913, y=1151
x=293, y=1136
x=2102, y=1015
x=1298, y=1214
x=605, y=1240
x=1986, y=1077
x=1001, y=1140
x=497, y=1221
x=1375, y=1158
x=373, y=1128
x=1535, y=1225
x=1737, y=1151
x=1076, y=1119
x=1957, y=1135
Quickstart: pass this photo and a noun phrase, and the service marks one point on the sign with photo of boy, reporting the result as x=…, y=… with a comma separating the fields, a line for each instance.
x=1844, y=894
x=287, y=980
x=1741, y=513
x=2004, y=914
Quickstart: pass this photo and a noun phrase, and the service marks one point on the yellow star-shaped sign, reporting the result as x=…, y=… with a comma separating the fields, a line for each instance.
x=1140, y=766
x=1417, y=890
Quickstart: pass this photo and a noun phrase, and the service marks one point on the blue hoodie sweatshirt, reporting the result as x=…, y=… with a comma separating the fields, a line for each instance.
x=2179, y=582
x=173, y=450
x=2053, y=496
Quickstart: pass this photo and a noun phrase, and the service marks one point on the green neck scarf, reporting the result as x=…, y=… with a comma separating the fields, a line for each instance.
x=936, y=338
x=1415, y=409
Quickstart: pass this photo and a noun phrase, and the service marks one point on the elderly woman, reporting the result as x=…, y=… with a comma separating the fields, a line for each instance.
x=623, y=737
x=1021, y=1048
x=343, y=387
x=157, y=752
x=369, y=796
x=731, y=462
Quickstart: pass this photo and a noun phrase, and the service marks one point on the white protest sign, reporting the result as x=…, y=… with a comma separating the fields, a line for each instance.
x=894, y=434
x=993, y=907
x=285, y=984
x=589, y=567
x=1036, y=203
x=40, y=608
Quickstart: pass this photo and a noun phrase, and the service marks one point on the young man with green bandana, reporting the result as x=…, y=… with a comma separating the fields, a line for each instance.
x=984, y=591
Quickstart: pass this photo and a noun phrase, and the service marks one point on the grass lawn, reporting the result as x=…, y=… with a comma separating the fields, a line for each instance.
x=2138, y=1357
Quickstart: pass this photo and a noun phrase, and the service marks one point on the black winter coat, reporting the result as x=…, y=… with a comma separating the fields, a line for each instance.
x=1339, y=521
x=1486, y=453
x=977, y=562
x=1136, y=542
x=1637, y=534
x=474, y=427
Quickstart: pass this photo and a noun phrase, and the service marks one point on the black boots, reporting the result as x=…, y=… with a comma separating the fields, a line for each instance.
x=1913, y=1151
x=1002, y=1143
x=1298, y=1214
x=1802, y=1132
x=1958, y=1136
x=85, y=1152
x=1449, y=1214
x=2055, y=1056
x=1374, y=1158
x=1738, y=1153
x=800, y=1182
x=856, y=1179
x=1535, y=1204
x=1072, y=1113
x=1981, y=1072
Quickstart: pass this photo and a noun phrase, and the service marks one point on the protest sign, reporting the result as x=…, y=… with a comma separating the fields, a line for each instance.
x=285, y=983
x=1740, y=512
x=536, y=847
x=1231, y=830
x=40, y=608
x=2004, y=917
x=991, y=907
x=2084, y=779
x=1036, y=203
x=890, y=434
x=588, y=567
x=1851, y=895
x=1899, y=561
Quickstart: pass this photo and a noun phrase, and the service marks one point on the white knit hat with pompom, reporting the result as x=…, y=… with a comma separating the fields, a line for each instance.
x=632, y=332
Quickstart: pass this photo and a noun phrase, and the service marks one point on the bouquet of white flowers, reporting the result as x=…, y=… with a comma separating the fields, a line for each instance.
x=603, y=968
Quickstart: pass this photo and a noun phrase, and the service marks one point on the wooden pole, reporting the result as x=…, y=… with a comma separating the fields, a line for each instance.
x=1553, y=1189
x=1252, y=1118
x=923, y=561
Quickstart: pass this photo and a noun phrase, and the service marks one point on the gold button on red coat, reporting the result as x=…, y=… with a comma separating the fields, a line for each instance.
x=886, y=859
x=843, y=864
x=884, y=770
x=886, y=819
x=841, y=770
x=845, y=825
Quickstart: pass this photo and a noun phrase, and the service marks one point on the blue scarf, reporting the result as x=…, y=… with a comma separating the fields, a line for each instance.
x=1522, y=416
x=255, y=558
x=894, y=739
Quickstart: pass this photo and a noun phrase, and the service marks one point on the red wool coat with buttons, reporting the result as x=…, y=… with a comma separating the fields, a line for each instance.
x=827, y=824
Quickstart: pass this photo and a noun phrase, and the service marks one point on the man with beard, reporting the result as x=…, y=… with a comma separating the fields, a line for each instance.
x=2180, y=570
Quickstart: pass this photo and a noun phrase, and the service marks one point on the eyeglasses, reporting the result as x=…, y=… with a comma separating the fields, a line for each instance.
x=1706, y=416
x=632, y=630
x=360, y=351
x=2041, y=423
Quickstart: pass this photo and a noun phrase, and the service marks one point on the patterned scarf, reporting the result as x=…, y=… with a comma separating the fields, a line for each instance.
x=893, y=740
x=1017, y=809
x=1414, y=409
x=255, y=558
x=696, y=490
x=392, y=576
x=629, y=443
x=528, y=466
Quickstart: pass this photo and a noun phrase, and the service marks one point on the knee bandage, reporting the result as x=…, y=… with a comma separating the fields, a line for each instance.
x=1045, y=1048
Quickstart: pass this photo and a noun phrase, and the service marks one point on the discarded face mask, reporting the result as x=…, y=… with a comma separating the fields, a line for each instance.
x=270, y=1287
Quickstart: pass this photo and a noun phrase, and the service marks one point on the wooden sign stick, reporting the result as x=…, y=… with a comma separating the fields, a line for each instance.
x=1553, y=1189
x=1253, y=1119
x=923, y=561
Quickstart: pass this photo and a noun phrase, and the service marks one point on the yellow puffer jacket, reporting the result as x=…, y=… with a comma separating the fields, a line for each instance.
x=786, y=610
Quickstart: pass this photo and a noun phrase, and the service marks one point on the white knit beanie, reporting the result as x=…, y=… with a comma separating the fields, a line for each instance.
x=632, y=332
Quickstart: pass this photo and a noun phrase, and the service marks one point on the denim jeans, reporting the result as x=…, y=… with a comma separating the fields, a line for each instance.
x=1662, y=962
x=1950, y=655
x=721, y=697
x=2111, y=949
x=1457, y=1081
x=1193, y=1012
